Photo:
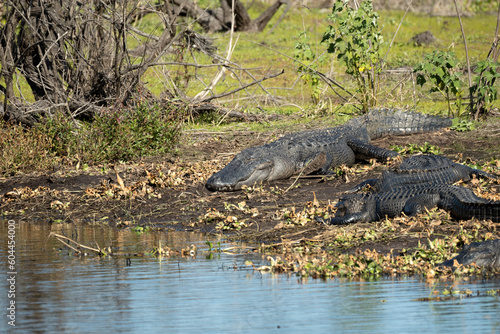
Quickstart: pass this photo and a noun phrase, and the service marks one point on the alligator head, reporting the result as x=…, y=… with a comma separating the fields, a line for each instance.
x=352, y=203
x=486, y=253
x=354, y=208
x=248, y=168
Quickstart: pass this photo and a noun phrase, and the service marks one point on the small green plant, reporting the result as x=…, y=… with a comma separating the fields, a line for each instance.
x=439, y=68
x=211, y=247
x=410, y=149
x=462, y=125
x=483, y=88
x=231, y=223
x=308, y=64
x=355, y=38
x=141, y=229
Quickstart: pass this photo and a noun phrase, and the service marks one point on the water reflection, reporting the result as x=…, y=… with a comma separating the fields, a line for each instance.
x=61, y=293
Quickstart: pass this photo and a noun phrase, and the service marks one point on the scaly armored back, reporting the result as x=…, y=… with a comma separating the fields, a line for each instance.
x=381, y=122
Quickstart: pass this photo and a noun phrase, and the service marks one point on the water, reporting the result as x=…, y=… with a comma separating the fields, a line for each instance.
x=57, y=292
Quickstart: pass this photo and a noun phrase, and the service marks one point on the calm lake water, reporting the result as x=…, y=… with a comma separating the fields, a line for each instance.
x=57, y=292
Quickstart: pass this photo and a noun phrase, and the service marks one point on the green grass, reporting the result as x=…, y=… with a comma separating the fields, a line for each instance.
x=261, y=54
x=269, y=52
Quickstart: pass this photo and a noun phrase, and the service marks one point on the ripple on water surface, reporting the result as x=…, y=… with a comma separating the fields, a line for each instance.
x=62, y=293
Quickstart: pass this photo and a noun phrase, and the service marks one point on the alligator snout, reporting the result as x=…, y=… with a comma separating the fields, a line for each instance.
x=215, y=183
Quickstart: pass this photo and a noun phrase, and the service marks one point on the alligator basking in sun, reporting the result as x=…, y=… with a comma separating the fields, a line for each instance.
x=420, y=182
x=461, y=202
x=422, y=169
x=316, y=151
x=486, y=253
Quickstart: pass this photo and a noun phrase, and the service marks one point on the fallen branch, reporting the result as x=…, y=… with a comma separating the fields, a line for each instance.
x=61, y=239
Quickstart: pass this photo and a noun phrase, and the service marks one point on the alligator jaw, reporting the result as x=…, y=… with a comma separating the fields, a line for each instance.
x=248, y=172
x=235, y=175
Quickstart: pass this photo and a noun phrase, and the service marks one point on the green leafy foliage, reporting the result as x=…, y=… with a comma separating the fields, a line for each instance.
x=308, y=65
x=411, y=149
x=355, y=38
x=462, y=125
x=118, y=134
x=439, y=68
x=484, y=85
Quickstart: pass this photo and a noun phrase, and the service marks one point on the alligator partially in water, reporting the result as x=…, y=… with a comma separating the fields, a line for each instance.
x=412, y=199
x=486, y=253
x=422, y=169
x=316, y=151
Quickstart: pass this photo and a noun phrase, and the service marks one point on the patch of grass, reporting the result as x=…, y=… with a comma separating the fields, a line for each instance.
x=267, y=52
x=25, y=150
x=119, y=134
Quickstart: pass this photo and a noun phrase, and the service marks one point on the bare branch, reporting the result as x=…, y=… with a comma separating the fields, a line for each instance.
x=210, y=98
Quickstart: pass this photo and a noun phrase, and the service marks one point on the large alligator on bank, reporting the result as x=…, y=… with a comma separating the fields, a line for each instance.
x=316, y=151
x=486, y=253
x=413, y=199
x=422, y=169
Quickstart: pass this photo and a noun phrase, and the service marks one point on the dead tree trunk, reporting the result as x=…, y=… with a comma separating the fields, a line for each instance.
x=219, y=20
x=74, y=56
x=76, y=59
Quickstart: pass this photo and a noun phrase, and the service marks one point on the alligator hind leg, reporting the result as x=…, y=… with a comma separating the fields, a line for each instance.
x=417, y=204
x=314, y=164
x=371, y=151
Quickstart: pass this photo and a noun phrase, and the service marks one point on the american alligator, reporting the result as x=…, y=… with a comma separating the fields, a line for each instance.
x=413, y=199
x=316, y=151
x=420, y=169
x=486, y=253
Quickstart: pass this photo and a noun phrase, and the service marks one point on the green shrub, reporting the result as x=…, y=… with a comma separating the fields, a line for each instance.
x=355, y=39
x=483, y=88
x=118, y=134
x=24, y=150
x=125, y=134
x=439, y=68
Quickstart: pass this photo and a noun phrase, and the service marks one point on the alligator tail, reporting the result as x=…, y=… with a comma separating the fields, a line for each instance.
x=487, y=210
x=382, y=122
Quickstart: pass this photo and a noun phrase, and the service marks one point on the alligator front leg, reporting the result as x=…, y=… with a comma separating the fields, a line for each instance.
x=363, y=185
x=371, y=151
x=316, y=163
x=347, y=219
x=417, y=204
x=481, y=174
